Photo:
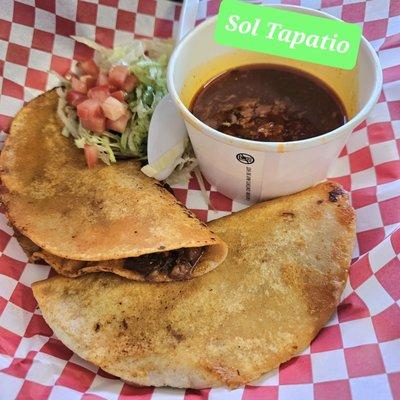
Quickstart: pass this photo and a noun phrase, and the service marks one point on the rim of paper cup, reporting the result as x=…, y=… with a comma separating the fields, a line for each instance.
x=256, y=145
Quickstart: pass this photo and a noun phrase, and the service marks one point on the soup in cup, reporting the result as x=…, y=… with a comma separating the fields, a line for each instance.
x=283, y=149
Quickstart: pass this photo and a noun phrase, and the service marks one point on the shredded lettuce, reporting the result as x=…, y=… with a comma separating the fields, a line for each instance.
x=152, y=88
x=147, y=60
x=183, y=170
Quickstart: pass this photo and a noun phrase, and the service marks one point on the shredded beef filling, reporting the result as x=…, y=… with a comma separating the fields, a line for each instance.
x=177, y=264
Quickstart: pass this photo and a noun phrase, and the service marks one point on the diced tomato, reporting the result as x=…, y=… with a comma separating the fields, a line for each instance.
x=99, y=93
x=102, y=79
x=130, y=83
x=89, y=108
x=113, y=108
x=91, y=115
x=117, y=75
x=78, y=86
x=119, y=95
x=89, y=80
x=74, y=98
x=91, y=155
x=97, y=124
x=120, y=124
x=89, y=67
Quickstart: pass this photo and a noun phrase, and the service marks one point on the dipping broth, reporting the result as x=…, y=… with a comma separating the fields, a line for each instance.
x=269, y=103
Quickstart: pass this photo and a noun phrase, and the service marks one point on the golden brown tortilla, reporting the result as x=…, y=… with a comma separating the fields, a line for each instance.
x=286, y=268
x=103, y=214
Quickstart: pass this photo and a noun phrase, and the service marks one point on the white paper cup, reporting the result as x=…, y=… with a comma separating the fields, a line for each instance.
x=250, y=171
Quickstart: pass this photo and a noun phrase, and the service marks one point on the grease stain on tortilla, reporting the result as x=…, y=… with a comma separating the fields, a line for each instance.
x=288, y=215
x=177, y=335
x=335, y=193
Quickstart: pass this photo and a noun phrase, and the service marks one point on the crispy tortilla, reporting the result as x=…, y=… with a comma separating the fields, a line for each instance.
x=86, y=220
x=286, y=269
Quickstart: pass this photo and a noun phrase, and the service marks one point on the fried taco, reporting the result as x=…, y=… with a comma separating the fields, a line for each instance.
x=108, y=218
x=280, y=283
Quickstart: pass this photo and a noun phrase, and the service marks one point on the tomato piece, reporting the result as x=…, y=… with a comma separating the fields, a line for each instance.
x=130, y=83
x=102, y=79
x=117, y=75
x=89, y=80
x=91, y=155
x=74, y=98
x=99, y=93
x=119, y=95
x=95, y=123
x=91, y=115
x=112, y=108
x=89, y=108
x=78, y=85
x=89, y=67
x=120, y=124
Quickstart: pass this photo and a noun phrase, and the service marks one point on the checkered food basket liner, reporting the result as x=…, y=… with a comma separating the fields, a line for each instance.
x=356, y=356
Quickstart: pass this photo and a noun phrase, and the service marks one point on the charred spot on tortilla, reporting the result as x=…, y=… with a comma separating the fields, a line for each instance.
x=177, y=264
x=335, y=193
x=288, y=215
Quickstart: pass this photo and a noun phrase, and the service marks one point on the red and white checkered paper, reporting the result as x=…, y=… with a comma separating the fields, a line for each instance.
x=356, y=356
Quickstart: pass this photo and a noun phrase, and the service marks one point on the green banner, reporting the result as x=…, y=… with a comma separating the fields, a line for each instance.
x=288, y=34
